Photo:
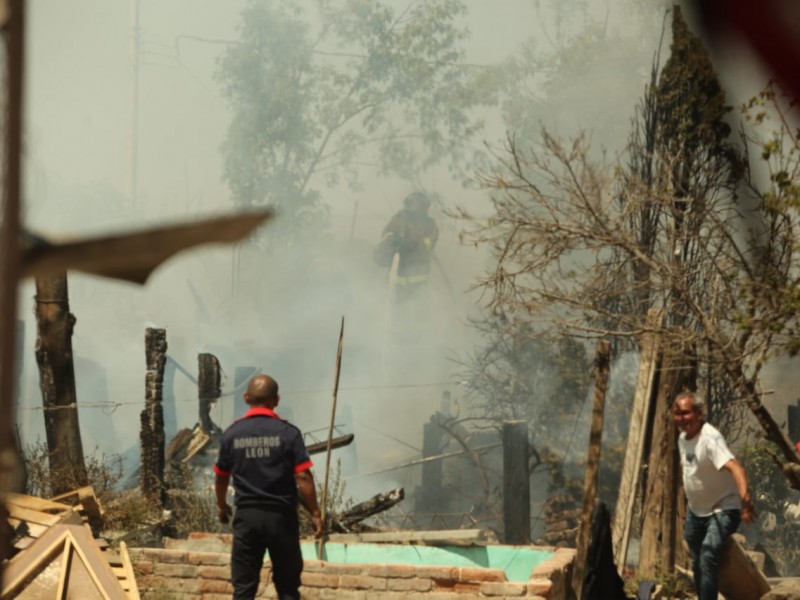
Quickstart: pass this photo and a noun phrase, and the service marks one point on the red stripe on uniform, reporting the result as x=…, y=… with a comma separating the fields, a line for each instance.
x=303, y=466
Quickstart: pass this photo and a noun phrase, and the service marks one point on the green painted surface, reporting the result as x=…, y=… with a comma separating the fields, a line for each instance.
x=516, y=561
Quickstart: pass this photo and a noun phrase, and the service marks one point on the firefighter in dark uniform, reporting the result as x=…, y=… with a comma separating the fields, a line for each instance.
x=412, y=234
x=268, y=462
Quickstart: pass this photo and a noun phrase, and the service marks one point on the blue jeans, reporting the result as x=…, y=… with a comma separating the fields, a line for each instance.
x=706, y=537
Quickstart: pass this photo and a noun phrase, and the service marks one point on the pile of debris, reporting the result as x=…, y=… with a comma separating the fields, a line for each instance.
x=57, y=554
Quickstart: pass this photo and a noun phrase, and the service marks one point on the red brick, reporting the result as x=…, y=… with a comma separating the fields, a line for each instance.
x=540, y=587
x=479, y=574
x=329, y=580
x=392, y=571
x=410, y=585
x=143, y=567
x=210, y=572
x=174, y=570
x=215, y=586
x=491, y=588
x=343, y=569
x=438, y=572
x=450, y=585
x=226, y=538
x=159, y=555
x=314, y=565
x=362, y=582
x=146, y=581
x=341, y=594
x=180, y=586
x=208, y=558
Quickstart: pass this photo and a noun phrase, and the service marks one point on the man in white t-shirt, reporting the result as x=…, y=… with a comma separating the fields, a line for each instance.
x=716, y=490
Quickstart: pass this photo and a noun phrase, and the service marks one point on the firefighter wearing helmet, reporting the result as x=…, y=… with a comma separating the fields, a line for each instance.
x=412, y=234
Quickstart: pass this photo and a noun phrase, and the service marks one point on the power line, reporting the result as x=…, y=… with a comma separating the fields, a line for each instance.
x=114, y=405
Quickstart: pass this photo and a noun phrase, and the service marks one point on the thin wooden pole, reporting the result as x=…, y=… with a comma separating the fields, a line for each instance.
x=602, y=361
x=640, y=426
x=324, y=506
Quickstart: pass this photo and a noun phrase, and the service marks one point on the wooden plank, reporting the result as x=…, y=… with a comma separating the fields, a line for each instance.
x=634, y=451
x=132, y=588
x=19, y=513
x=34, y=503
x=23, y=543
x=739, y=579
x=95, y=562
x=66, y=567
x=337, y=442
x=86, y=498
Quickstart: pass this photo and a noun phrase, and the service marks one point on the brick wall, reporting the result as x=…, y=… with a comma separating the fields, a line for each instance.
x=186, y=575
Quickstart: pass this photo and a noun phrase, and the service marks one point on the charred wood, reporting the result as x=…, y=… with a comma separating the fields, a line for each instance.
x=152, y=417
x=344, y=522
x=54, y=326
x=208, y=384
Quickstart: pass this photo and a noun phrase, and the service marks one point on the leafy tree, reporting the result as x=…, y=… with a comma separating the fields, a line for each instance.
x=358, y=85
x=556, y=75
x=585, y=248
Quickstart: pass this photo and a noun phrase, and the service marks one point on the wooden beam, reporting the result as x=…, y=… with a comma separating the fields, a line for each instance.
x=337, y=442
x=640, y=416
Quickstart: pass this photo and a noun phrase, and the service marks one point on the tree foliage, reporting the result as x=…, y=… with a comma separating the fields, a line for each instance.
x=358, y=84
x=585, y=248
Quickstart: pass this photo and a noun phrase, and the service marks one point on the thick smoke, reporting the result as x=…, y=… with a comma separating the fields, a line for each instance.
x=278, y=314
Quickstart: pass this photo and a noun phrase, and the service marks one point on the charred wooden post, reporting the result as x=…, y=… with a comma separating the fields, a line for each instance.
x=54, y=325
x=152, y=417
x=208, y=385
x=793, y=423
x=429, y=494
x=516, y=486
x=601, y=369
x=346, y=521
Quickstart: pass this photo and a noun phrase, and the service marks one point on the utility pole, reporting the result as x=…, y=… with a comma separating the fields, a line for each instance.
x=133, y=184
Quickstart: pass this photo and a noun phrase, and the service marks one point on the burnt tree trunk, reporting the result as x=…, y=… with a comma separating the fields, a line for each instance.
x=54, y=325
x=208, y=385
x=152, y=417
x=663, y=506
x=601, y=371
